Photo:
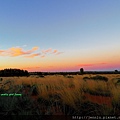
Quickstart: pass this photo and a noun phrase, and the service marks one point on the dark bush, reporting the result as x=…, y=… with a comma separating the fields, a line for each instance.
x=97, y=77
x=13, y=72
x=41, y=76
x=86, y=78
x=69, y=76
x=116, y=81
x=34, y=90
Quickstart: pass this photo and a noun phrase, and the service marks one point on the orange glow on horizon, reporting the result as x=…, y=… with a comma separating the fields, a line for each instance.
x=51, y=68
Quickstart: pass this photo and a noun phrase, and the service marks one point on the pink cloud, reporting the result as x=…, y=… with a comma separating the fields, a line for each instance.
x=33, y=55
x=47, y=51
x=42, y=56
x=90, y=64
x=55, y=51
x=35, y=48
x=32, y=69
x=58, y=53
x=86, y=64
x=18, y=51
x=1, y=52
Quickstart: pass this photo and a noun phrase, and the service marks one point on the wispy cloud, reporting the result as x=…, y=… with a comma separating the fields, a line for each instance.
x=58, y=53
x=83, y=65
x=55, y=51
x=33, y=55
x=31, y=68
x=42, y=56
x=86, y=64
x=1, y=51
x=35, y=48
x=47, y=51
x=19, y=51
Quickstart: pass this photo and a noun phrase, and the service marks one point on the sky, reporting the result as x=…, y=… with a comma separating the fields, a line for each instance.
x=60, y=35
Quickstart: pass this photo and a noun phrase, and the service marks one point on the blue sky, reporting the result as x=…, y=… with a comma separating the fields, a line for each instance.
x=81, y=31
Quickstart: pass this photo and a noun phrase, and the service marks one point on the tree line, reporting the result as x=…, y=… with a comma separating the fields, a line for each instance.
x=13, y=72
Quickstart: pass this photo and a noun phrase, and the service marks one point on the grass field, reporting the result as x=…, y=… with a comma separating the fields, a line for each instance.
x=61, y=95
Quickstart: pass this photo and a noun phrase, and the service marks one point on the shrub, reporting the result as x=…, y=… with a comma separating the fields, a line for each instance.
x=97, y=77
x=34, y=90
x=86, y=78
x=41, y=76
x=116, y=81
x=69, y=76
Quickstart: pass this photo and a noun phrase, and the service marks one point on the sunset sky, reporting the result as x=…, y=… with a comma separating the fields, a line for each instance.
x=60, y=35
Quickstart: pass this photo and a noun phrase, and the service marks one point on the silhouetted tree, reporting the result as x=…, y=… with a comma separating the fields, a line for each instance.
x=116, y=71
x=81, y=70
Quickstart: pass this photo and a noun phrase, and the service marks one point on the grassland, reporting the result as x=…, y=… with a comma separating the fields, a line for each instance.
x=61, y=95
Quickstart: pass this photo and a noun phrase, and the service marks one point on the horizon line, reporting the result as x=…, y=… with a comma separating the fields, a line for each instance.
x=68, y=71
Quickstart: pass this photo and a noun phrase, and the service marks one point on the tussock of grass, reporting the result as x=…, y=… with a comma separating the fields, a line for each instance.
x=68, y=76
x=116, y=81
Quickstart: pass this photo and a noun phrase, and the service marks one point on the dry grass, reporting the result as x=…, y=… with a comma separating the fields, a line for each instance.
x=70, y=89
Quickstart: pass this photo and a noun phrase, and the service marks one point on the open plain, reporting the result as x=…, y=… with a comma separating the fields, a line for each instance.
x=61, y=95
